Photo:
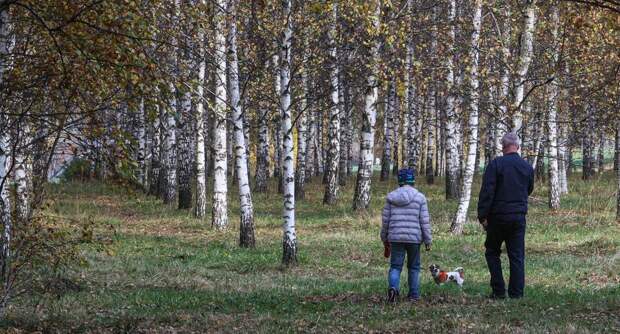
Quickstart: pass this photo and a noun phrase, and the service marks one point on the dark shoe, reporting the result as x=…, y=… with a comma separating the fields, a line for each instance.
x=495, y=296
x=413, y=300
x=392, y=295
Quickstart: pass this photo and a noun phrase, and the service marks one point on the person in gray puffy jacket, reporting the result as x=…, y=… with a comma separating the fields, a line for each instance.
x=405, y=226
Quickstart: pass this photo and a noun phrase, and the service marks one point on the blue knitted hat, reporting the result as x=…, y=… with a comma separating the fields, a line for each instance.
x=406, y=176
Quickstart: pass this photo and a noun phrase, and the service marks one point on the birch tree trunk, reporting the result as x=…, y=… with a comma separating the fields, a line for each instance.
x=388, y=129
x=600, y=159
x=333, y=153
x=430, y=144
x=185, y=150
x=525, y=58
x=169, y=192
x=200, y=210
x=302, y=128
x=398, y=120
x=219, y=215
x=587, y=144
x=452, y=152
x=470, y=165
x=504, y=89
x=262, y=150
x=22, y=171
x=367, y=142
x=289, y=240
x=552, y=124
x=345, y=137
x=246, y=227
x=277, y=170
x=142, y=174
x=155, y=162
x=413, y=142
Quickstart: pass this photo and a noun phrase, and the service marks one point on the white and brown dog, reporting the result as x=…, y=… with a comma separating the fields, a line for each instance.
x=441, y=276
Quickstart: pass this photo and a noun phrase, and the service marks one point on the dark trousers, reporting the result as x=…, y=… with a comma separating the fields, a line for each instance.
x=513, y=234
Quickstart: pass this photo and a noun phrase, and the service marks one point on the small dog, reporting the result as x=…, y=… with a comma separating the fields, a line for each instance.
x=441, y=276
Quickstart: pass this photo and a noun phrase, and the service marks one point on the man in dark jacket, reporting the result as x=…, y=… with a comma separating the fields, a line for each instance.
x=502, y=207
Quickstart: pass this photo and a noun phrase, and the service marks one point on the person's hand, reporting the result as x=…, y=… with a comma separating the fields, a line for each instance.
x=428, y=247
x=484, y=223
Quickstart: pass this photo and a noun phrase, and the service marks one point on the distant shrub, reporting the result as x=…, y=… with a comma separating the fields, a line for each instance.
x=78, y=169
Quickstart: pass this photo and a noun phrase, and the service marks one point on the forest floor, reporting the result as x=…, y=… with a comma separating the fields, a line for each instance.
x=152, y=269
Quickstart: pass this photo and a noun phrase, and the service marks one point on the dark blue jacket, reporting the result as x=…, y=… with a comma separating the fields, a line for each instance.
x=507, y=183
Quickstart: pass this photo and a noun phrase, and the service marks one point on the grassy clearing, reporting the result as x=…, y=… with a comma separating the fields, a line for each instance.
x=155, y=269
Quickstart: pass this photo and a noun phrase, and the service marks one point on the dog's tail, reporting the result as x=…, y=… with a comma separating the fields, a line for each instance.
x=460, y=271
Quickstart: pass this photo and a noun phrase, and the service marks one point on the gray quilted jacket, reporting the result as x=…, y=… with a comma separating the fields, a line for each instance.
x=405, y=217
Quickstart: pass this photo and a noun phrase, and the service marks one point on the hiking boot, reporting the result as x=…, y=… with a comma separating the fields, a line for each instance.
x=413, y=300
x=392, y=295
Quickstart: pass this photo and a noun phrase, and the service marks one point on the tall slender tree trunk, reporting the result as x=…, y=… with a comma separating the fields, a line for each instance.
x=262, y=150
x=302, y=129
x=22, y=171
x=398, y=119
x=430, y=137
x=200, y=210
x=185, y=162
x=170, y=150
x=345, y=137
x=219, y=215
x=155, y=163
x=412, y=112
x=600, y=158
x=367, y=142
x=552, y=124
x=525, y=58
x=587, y=144
x=289, y=240
x=333, y=153
x=142, y=172
x=504, y=89
x=246, y=226
x=388, y=130
x=468, y=176
x=452, y=151
x=277, y=170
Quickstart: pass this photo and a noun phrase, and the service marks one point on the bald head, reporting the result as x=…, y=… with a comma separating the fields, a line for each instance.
x=510, y=143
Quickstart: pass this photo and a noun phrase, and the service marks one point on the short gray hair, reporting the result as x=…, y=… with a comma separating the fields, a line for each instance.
x=510, y=139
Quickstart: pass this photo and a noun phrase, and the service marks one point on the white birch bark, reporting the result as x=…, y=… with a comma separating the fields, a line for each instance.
x=289, y=240
x=333, y=153
x=200, y=209
x=430, y=137
x=246, y=226
x=452, y=152
x=170, y=178
x=219, y=215
x=468, y=176
x=22, y=172
x=262, y=150
x=369, y=117
x=504, y=89
x=412, y=112
x=155, y=161
x=525, y=58
x=552, y=124
x=184, y=151
x=302, y=129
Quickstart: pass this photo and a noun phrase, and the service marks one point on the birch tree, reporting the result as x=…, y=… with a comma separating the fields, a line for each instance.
x=452, y=152
x=289, y=240
x=369, y=116
x=552, y=124
x=523, y=64
x=200, y=209
x=246, y=227
x=333, y=153
x=219, y=215
x=302, y=129
x=474, y=100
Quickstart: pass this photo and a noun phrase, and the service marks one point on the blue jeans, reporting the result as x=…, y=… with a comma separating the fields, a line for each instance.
x=397, y=260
